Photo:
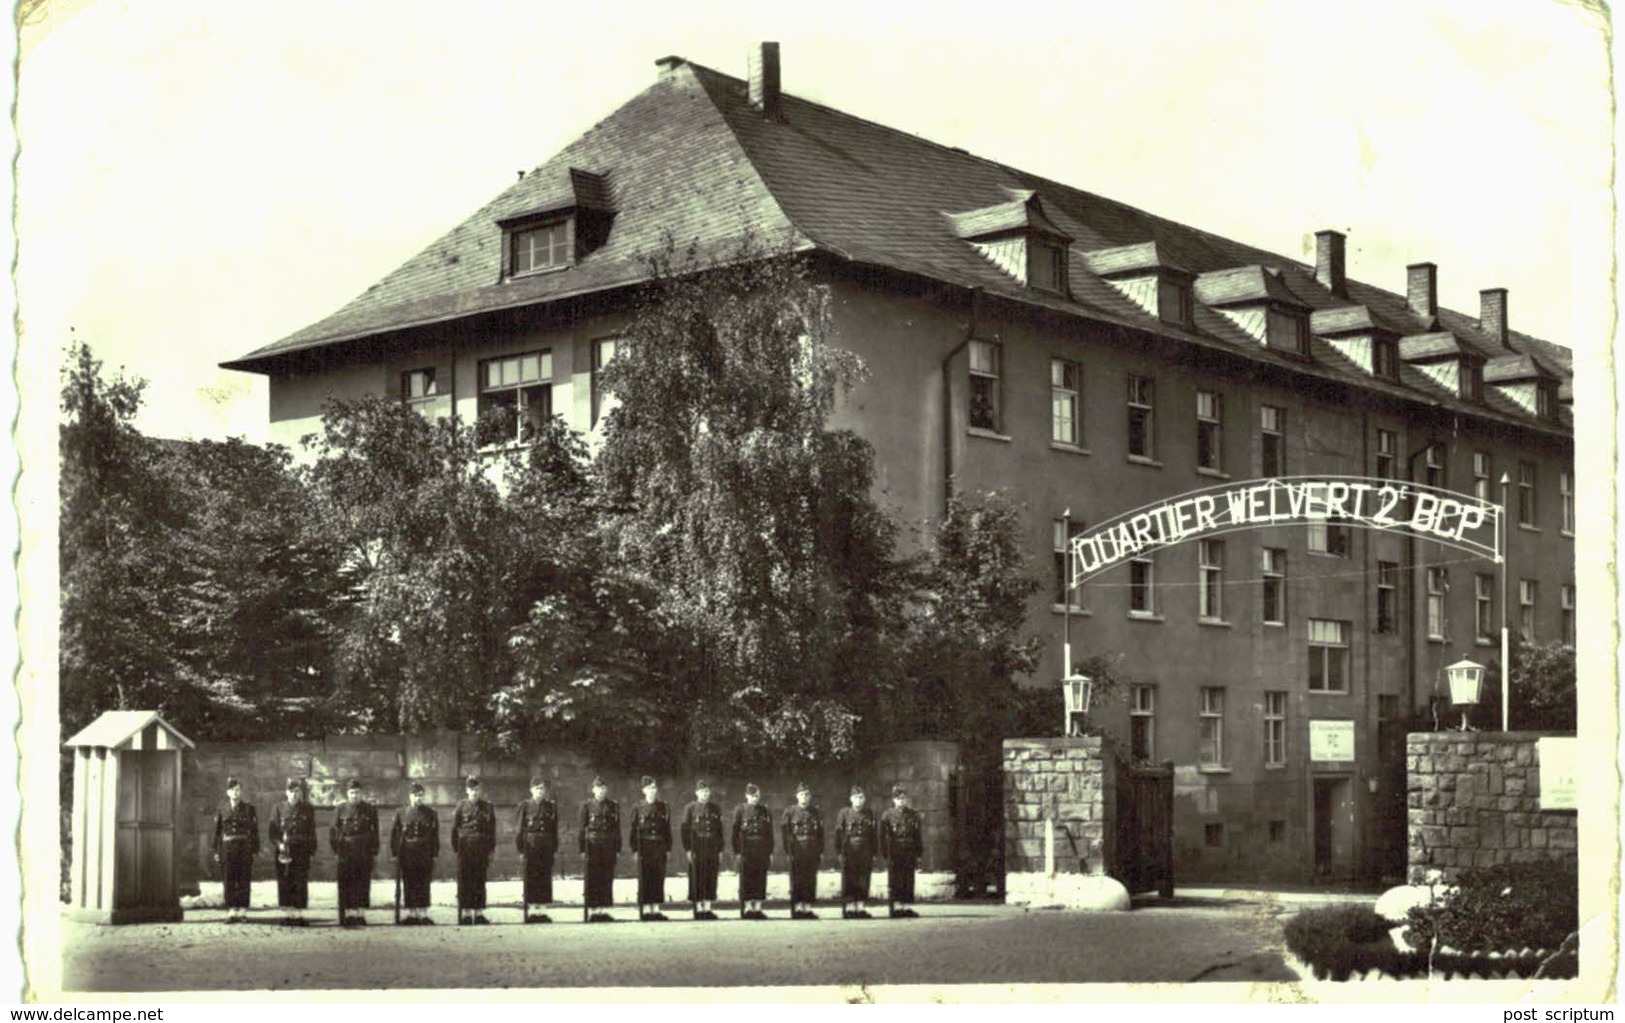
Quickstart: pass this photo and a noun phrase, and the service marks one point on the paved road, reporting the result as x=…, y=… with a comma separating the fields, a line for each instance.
x=1226, y=939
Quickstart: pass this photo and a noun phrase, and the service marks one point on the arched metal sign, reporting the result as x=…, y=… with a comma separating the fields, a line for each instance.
x=1428, y=513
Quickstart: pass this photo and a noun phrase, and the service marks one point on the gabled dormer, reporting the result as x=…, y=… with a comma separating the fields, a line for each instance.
x=1255, y=299
x=566, y=220
x=1148, y=279
x=1447, y=361
x=1358, y=336
x=1526, y=381
x=1019, y=238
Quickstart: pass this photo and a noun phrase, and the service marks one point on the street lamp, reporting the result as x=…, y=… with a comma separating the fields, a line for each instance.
x=1076, y=689
x=1466, y=680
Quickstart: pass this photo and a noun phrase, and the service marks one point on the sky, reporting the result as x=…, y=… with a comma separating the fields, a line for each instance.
x=198, y=179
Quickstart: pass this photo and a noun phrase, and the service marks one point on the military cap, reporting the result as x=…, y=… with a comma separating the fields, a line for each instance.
x=701, y=783
x=598, y=782
x=802, y=787
x=473, y=782
x=751, y=789
x=233, y=783
x=857, y=790
x=897, y=790
x=647, y=781
x=416, y=788
x=295, y=784
x=355, y=785
x=537, y=781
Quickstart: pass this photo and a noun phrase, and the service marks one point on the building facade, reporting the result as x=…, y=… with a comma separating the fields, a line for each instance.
x=1086, y=358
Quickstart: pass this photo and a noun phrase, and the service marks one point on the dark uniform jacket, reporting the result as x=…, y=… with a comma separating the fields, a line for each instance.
x=474, y=828
x=649, y=833
x=354, y=833
x=239, y=826
x=901, y=834
x=600, y=825
x=702, y=829
x=416, y=833
x=537, y=827
x=855, y=832
x=753, y=830
x=292, y=830
x=803, y=830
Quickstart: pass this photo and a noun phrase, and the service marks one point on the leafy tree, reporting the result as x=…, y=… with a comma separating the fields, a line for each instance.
x=748, y=518
x=1543, y=691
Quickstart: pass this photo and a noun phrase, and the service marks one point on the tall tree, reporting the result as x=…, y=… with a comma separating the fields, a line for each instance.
x=750, y=519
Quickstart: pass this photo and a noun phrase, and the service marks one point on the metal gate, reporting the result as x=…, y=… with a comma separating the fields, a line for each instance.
x=976, y=803
x=1144, y=846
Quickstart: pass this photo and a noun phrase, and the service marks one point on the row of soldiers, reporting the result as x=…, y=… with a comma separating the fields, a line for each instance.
x=354, y=837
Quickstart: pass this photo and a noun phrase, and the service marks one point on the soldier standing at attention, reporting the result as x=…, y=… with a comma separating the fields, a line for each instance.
x=855, y=839
x=600, y=842
x=650, y=838
x=702, y=841
x=753, y=847
x=236, y=840
x=354, y=838
x=902, y=842
x=804, y=844
x=414, y=840
x=292, y=832
x=538, y=840
x=473, y=839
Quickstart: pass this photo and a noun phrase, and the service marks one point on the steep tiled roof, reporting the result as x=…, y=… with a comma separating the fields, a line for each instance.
x=692, y=157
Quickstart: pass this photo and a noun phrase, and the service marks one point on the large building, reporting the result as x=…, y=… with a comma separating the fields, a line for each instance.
x=1083, y=356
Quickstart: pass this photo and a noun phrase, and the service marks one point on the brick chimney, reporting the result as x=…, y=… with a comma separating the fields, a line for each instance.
x=764, y=81
x=1329, y=262
x=1422, y=289
x=1492, y=313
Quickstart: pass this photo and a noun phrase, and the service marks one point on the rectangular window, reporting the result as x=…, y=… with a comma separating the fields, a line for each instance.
x=1285, y=330
x=1328, y=656
x=1543, y=401
x=1272, y=441
x=1141, y=424
x=1209, y=430
x=1387, y=455
x=603, y=352
x=1173, y=301
x=1568, y=613
x=421, y=393
x=1274, y=729
x=1438, y=584
x=516, y=396
x=1277, y=832
x=1274, y=586
x=1526, y=493
x=1142, y=722
x=1046, y=266
x=1063, y=563
x=1329, y=537
x=1526, y=609
x=1481, y=475
x=1210, y=583
x=1435, y=465
x=1387, y=596
x=1142, y=593
x=1565, y=491
x=1384, y=358
x=1484, y=606
x=1213, y=835
x=1064, y=378
x=984, y=386
x=1210, y=737
x=540, y=248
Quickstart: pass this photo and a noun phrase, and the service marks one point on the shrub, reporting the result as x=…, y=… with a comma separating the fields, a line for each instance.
x=1505, y=908
x=1339, y=941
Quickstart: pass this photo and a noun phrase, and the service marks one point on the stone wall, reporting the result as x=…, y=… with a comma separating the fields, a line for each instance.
x=1473, y=800
x=386, y=764
x=1069, y=780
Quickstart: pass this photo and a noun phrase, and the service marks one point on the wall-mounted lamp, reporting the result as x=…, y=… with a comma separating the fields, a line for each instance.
x=1077, y=690
x=1466, y=679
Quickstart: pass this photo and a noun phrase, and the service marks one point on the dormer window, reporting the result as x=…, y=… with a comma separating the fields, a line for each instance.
x=1019, y=238
x=1543, y=401
x=1046, y=265
x=1472, y=380
x=541, y=248
x=1286, y=330
x=1385, y=358
x=1174, y=300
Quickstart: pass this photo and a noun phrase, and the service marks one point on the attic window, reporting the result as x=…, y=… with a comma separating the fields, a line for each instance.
x=1384, y=358
x=1472, y=380
x=1046, y=266
x=539, y=248
x=1173, y=301
x=1286, y=330
x=1543, y=400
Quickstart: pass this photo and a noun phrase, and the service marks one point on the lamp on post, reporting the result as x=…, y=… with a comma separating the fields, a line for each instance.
x=1076, y=689
x=1466, y=679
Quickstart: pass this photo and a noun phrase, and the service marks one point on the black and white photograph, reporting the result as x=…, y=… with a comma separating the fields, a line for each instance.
x=857, y=503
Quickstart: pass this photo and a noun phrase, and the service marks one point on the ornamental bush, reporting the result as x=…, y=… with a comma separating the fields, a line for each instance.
x=1505, y=908
x=1339, y=941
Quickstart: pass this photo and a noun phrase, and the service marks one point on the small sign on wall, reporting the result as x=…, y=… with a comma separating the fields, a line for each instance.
x=1331, y=741
x=1559, y=760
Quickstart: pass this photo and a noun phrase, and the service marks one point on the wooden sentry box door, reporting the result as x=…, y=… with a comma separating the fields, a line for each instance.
x=146, y=829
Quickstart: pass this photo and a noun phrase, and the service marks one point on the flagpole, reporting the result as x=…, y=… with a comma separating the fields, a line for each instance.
x=1506, y=659
x=1066, y=620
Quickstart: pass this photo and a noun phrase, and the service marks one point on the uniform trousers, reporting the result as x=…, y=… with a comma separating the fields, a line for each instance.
x=292, y=883
x=900, y=879
x=855, y=870
x=236, y=872
x=600, y=885
x=417, y=869
x=702, y=877
x=355, y=882
x=471, y=865
x=651, y=879
x=753, y=875
x=803, y=876
x=538, y=878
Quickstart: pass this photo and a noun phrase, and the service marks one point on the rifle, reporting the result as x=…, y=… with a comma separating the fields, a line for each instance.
x=397, y=889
